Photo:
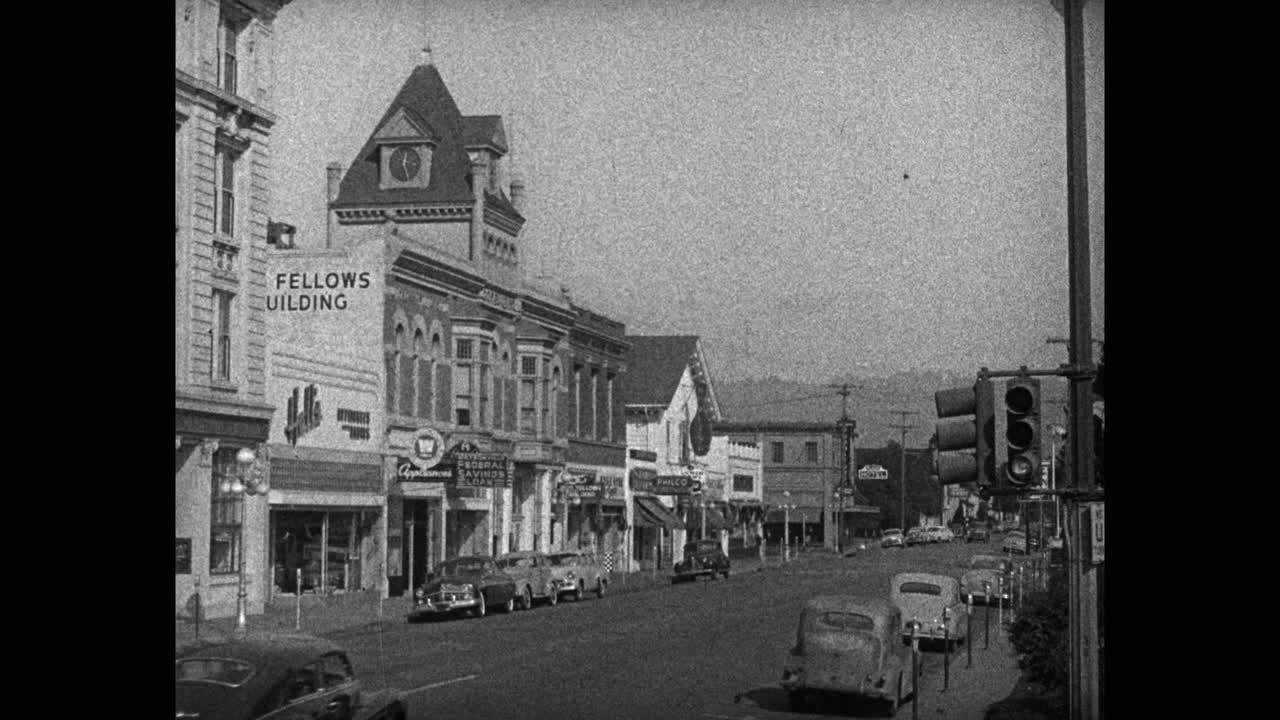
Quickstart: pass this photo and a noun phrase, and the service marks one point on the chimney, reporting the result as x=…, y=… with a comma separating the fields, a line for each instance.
x=517, y=192
x=479, y=183
x=333, y=172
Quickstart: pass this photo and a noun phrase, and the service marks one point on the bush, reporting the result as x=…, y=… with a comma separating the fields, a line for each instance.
x=1041, y=635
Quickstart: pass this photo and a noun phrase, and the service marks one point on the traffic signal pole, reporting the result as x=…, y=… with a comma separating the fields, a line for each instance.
x=1083, y=574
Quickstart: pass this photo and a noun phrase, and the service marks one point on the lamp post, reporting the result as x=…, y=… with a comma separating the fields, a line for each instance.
x=241, y=483
x=786, y=526
x=1056, y=433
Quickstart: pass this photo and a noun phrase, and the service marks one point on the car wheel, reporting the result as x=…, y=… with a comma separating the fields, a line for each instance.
x=509, y=605
x=480, y=609
x=600, y=583
x=577, y=592
x=527, y=601
x=553, y=597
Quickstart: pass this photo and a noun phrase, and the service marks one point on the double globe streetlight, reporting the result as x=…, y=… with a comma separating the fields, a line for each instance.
x=787, y=507
x=244, y=481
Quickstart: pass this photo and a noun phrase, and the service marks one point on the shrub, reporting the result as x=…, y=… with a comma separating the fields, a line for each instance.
x=1041, y=635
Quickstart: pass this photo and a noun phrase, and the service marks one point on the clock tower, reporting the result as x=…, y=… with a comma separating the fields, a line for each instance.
x=404, y=146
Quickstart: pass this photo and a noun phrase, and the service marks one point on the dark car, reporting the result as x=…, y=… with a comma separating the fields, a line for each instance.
x=978, y=532
x=470, y=584
x=277, y=676
x=701, y=557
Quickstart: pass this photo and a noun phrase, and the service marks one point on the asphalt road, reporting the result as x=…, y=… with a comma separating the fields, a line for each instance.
x=708, y=649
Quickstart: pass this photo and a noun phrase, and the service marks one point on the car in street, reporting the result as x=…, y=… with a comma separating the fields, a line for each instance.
x=893, y=538
x=573, y=571
x=977, y=532
x=530, y=570
x=470, y=584
x=848, y=645
x=990, y=569
x=931, y=603
x=940, y=534
x=917, y=536
x=1016, y=542
x=278, y=676
x=701, y=558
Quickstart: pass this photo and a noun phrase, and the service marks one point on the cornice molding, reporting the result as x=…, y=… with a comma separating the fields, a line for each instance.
x=259, y=118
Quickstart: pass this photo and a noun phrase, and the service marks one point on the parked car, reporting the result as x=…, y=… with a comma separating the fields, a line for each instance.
x=471, y=584
x=275, y=675
x=848, y=646
x=572, y=572
x=990, y=569
x=531, y=572
x=941, y=534
x=922, y=598
x=1016, y=542
x=977, y=532
x=916, y=536
x=701, y=557
x=893, y=538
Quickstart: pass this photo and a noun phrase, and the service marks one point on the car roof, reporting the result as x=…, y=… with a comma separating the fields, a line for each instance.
x=520, y=554
x=264, y=650
x=892, y=530
x=876, y=608
x=942, y=581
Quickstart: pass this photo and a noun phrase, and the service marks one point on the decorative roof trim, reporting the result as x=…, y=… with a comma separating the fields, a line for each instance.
x=258, y=117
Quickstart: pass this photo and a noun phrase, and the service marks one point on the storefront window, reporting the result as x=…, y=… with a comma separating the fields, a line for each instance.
x=226, y=517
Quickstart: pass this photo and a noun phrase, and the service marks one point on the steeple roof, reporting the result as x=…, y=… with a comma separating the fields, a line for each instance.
x=425, y=99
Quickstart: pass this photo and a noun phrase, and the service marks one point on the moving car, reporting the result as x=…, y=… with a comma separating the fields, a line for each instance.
x=701, y=557
x=922, y=598
x=531, y=572
x=573, y=571
x=893, y=538
x=977, y=532
x=916, y=536
x=469, y=584
x=1015, y=542
x=990, y=569
x=849, y=646
x=278, y=676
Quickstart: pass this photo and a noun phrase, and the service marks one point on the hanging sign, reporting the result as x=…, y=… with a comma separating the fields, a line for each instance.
x=872, y=472
x=428, y=448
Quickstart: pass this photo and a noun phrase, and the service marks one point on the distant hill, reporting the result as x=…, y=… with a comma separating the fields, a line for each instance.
x=871, y=405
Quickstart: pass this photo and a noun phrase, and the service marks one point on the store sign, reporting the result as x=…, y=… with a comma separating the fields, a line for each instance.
x=668, y=485
x=1097, y=535
x=535, y=452
x=611, y=487
x=872, y=472
x=301, y=418
x=428, y=448
x=408, y=471
x=578, y=485
x=483, y=470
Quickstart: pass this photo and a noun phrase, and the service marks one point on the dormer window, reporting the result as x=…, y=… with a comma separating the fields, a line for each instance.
x=405, y=148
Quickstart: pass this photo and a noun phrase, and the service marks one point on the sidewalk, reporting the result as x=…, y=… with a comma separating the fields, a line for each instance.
x=324, y=615
x=971, y=690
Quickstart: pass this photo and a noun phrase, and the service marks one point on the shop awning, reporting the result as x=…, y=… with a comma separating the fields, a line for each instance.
x=651, y=513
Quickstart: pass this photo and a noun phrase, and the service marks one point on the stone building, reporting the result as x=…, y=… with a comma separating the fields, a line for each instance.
x=222, y=209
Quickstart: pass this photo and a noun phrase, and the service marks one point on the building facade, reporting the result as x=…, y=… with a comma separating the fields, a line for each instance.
x=801, y=468
x=741, y=469
x=670, y=409
x=222, y=208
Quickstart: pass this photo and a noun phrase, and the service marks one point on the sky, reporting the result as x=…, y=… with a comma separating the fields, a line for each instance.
x=818, y=189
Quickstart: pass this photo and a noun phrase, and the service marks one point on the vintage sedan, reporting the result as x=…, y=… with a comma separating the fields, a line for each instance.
x=977, y=532
x=917, y=536
x=1015, y=542
x=848, y=646
x=922, y=598
x=573, y=571
x=470, y=584
x=892, y=538
x=531, y=572
x=941, y=533
x=990, y=569
x=701, y=557
x=278, y=676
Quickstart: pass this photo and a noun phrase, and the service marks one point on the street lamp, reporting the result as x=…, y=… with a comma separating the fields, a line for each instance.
x=786, y=526
x=1056, y=433
x=241, y=483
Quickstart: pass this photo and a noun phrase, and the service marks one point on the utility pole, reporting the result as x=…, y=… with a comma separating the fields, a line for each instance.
x=1081, y=570
x=902, y=464
x=847, y=461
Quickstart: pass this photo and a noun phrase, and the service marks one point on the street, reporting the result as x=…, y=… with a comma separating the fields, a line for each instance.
x=709, y=649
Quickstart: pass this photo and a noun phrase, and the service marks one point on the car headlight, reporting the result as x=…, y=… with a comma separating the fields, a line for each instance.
x=570, y=575
x=418, y=593
x=468, y=588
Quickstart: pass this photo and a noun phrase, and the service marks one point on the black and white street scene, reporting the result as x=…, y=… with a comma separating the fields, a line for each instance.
x=655, y=359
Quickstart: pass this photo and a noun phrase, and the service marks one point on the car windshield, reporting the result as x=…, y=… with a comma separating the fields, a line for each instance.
x=217, y=670
x=516, y=562
x=1016, y=534
x=702, y=546
x=986, y=563
x=461, y=567
x=919, y=588
x=565, y=560
x=841, y=621
x=894, y=531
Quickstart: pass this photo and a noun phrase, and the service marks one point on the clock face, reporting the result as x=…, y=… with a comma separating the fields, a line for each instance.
x=405, y=163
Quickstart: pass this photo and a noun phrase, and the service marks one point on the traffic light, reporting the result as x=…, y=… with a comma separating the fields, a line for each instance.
x=966, y=446
x=1022, y=410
